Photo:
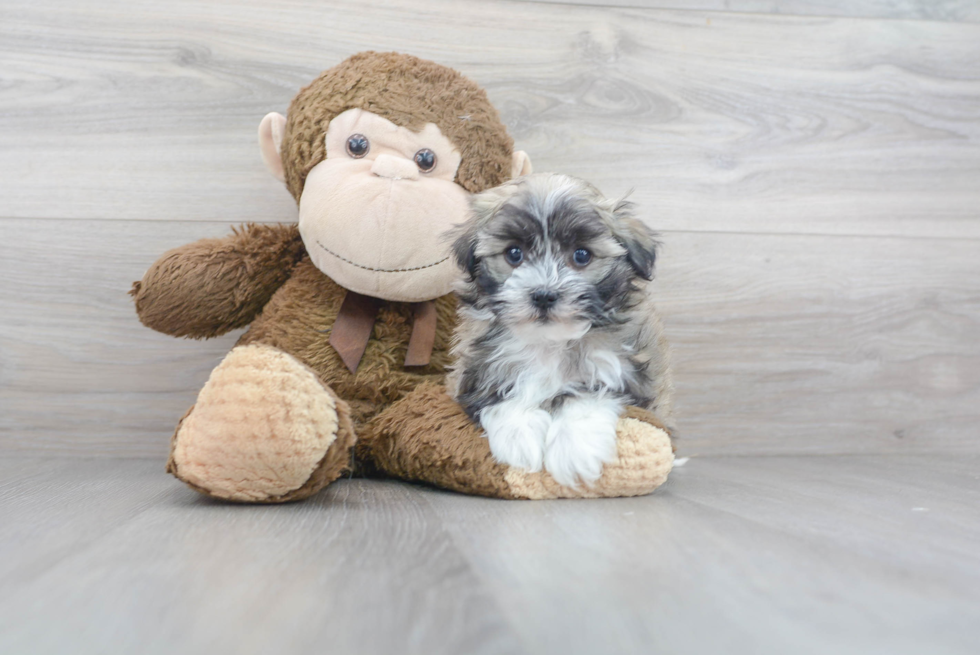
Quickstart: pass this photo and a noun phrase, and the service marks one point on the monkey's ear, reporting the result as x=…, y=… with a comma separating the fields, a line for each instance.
x=270, y=139
x=520, y=164
x=638, y=239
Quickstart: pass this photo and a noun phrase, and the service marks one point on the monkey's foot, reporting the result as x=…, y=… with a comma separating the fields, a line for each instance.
x=427, y=437
x=264, y=429
x=644, y=458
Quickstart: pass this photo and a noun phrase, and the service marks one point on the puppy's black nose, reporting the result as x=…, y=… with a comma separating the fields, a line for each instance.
x=544, y=298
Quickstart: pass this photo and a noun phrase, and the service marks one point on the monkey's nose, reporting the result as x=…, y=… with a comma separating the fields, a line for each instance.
x=544, y=298
x=395, y=168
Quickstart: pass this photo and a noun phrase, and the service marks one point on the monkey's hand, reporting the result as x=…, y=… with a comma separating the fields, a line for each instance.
x=211, y=286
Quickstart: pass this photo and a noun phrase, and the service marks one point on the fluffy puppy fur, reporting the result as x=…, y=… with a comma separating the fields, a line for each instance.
x=557, y=331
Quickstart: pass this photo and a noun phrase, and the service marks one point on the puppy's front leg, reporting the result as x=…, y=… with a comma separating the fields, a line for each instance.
x=581, y=439
x=516, y=433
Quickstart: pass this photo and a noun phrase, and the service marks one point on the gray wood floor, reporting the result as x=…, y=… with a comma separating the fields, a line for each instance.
x=814, y=170
x=796, y=554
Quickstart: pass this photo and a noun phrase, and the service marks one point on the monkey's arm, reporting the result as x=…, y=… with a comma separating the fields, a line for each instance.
x=211, y=286
x=427, y=437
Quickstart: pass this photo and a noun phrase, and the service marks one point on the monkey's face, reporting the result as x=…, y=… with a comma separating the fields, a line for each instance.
x=371, y=213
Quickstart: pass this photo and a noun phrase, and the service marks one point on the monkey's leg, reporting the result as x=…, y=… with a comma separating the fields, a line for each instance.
x=427, y=437
x=264, y=429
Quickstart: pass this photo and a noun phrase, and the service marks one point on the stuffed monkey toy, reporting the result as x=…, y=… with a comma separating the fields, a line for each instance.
x=349, y=311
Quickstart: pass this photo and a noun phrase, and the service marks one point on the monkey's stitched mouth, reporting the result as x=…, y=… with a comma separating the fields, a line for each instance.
x=380, y=270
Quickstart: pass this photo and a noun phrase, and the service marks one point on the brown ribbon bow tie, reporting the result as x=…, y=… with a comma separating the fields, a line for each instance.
x=352, y=330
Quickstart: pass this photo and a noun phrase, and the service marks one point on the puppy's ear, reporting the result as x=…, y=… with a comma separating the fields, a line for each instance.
x=466, y=237
x=638, y=239
x=464, y=246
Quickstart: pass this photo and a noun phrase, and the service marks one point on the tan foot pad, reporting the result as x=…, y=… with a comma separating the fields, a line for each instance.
x=261, y=430
x=645, y=457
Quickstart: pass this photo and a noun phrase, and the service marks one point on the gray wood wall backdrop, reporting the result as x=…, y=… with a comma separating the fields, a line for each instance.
x=814, y=169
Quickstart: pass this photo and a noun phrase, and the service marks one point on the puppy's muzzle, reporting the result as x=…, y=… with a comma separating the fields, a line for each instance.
x=544, y=299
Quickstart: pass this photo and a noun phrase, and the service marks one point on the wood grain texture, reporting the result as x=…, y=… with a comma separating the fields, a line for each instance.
x=941, y=10
x=823, y=344
x=733, y=122
x=783, y=343
x=852, y=555
x=78, y=372
x=55, y=507
x=743, y=555
x=359, y=569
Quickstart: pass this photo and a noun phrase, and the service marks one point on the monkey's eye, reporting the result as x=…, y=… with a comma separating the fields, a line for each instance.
x=514, y=255
x=582, y=257
x=358, y=145
x=425, y=159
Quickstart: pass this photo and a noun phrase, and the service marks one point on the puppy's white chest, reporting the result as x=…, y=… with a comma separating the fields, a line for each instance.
x=546, y=373
x=542, y=377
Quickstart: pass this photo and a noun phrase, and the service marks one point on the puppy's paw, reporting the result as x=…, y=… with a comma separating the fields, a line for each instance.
x=516, y=434
x=581, y=439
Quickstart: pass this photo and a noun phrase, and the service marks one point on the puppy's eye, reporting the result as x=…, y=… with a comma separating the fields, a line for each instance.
x=425, y=159
x=514, y=255
x=582, y=257
x=358, y=145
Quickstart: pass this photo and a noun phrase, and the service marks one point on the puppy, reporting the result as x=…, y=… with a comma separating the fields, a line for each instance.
x=557, y=332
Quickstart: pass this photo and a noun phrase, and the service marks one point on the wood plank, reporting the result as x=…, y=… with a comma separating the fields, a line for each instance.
x=364, y=567
x=823, y=344
x=723, y=122
x=783, y=343
x=941, y=10
x=738, y=555
x=700, y=568
x=928, y=503
x=79, y=374
x=52, y=508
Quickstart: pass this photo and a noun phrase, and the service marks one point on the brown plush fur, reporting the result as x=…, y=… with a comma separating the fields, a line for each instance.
x=428, y=438
x=298, y=319
x=409, y=92
x=209, y=287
